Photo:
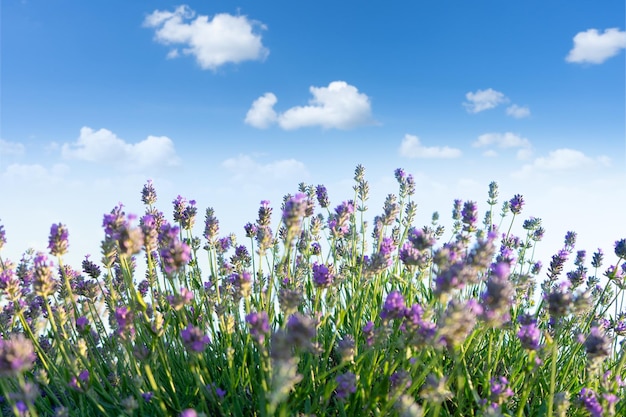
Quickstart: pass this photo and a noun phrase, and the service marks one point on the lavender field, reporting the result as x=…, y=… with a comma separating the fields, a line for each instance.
x=320, y=314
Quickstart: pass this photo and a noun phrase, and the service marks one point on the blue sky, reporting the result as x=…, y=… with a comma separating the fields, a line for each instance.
x=231, y=103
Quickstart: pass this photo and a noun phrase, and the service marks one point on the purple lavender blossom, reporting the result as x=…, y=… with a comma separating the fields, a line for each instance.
x=598, y=257
x=469, y=216
x=174, y=253
x=368, y=333
x=559, y=300
x=458, y=321
x=265, y=213
x=44, y=283
x=57, y=242
x=301, y=330
x=516, y=204
x=346, y=385
x=148, y=194
x=148, y=226
x=323, y=275
x=338, y=223
x=3, y=237
x=250, y=229
x=590, y=401
x=597, y=344
x=194, y=339
x=124, y=318
x=178, y=301
x=394, y=306
x=529, y=334
x=259, y=325
x=499, y=390
x=322, y=196
x=242, y=283
x=620, y=248
x=16, y=355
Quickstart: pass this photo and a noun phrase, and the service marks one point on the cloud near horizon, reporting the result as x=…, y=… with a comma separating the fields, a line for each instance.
x=595, y=48
x=104, y=147
x=411, y=147
x=338, y=106
x=247, y=168
x=561, y=160
x=223, y=39
x=504, y=141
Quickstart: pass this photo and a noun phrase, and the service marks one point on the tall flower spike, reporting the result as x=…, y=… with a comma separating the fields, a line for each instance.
x=57, y=242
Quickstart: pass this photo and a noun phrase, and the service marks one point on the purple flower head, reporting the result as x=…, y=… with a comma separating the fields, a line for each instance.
x=189, y=412
x=346, y=385
x=458, y=321
x=590, y=401
x=597, y=344
x=113, y=221
x=570, y=241
x=124, y=318
x=148, y=226
x=174, y=253
x=294, y=212
x=214, y=389
x=394, y=306
x=179, y=207
x=259, y=325
x=323, y=275
x=338, y=223
x=316, y=248
x=597, y=259
x=250, y=229
x=529, y=334
x=148, y=194
x=301, y=330
x=368, y=333
x=57, y=242
x=322, y=196
x=265, y=213
x=82, y=324
x=499, y=390
x=242, y=283
x=420, y=239
x=183, y=298
x=560, y=300
x=620, y=248
x=194, y=339
x=44, y=283
x=16, y=355
x=469, y=216
x=3, y=237
x=516, y=204
x=147, y=396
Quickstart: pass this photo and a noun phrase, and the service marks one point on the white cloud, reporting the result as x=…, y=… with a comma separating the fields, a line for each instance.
x=172, y=54
x=244, y=167
x=490, y=153
x=594, y=48
x=411, y=147
x=261, y=115
x=502, y=140
x=34, y=173
x=338, y=106
x=103, y=146
x=561, y=160
x=518, y=112
x=10, y=148
x=483, y=100
x=223, y=39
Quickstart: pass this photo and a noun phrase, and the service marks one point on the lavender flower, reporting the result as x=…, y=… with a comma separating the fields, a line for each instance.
x=16, y=355
x=265, y=213
x=394, y=306
x=211, y=226
x=125, y=326
x=597, y=344
x=301, y=330
x=250, y=229
x=242, y=283
x=498, y=295
x=188, y=412
x=3, y=237
x=458, y=321
x=174, y=253
x=322, y=196
x=590, y=401
x=499, y=390
x=529, y=334
x=620, y=248
x=323, y=275
x=516, y=204
x=597, y=259
x=259, y=325
x=469, y=216
x=338, y=223
x=559, y=300
x=44, y=283
x=346, y=385
x=150, y=232
x=148, y=194
x=194, y=339
x=178, y=301
x=57, y=242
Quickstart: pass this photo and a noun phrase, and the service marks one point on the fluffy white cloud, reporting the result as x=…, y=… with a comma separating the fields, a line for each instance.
x=224, y=38
x=338, y=106
x=10, y=148
x=261, y=115
x=519, y=112
x=561, y=160
x=484, y=100
x=411, y=147
x=103, y=146
x=595, y=48
x=244, y=167
x=502, y=140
